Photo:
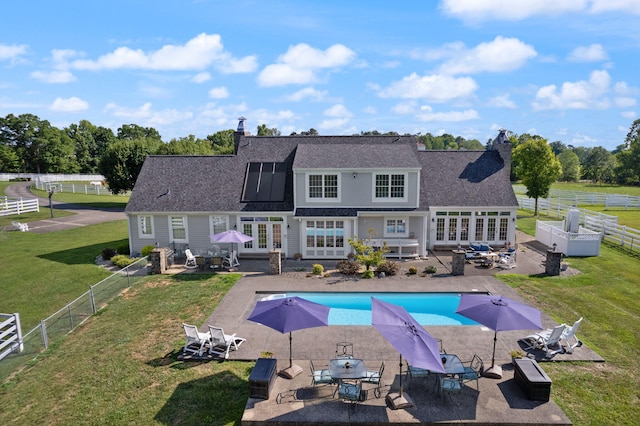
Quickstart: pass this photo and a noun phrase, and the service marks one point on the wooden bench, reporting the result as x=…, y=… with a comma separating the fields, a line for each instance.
x=532, y=379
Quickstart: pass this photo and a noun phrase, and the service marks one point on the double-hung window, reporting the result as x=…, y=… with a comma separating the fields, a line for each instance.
x=395, y=227
x=322, y=187
x=178, y=229
x=145, y=227
x=218, y=224
x=390, y=187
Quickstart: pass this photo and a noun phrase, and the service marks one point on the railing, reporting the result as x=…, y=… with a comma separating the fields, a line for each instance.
x=72, y=315
x=10, y=334
x=577, y=198
x=9, y=206
x=95, y=188
x=51, y=177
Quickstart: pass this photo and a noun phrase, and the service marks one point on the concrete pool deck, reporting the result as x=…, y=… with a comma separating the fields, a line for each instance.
x=499, y=401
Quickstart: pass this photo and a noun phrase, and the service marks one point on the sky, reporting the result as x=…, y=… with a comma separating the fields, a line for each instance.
x=565, y=70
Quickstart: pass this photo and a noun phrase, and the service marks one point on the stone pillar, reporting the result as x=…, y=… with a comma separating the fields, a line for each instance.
x=158, y=258
x=275, y=262
x=552, y=266
x=458, y=261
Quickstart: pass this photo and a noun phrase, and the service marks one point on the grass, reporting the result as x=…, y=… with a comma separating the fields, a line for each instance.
x=597, y=187
x=87, y=200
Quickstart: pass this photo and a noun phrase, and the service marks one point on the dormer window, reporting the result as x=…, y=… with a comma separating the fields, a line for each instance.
x=322, y=187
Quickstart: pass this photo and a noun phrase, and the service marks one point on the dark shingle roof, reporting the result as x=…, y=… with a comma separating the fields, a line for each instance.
x=465, y=178
x=356, y=156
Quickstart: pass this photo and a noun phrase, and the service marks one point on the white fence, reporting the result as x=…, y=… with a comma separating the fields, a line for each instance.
x=606, y=225
x=10, y=206
x=51, y=177
x=584, y=198
x=582, y=243
x=94, y=188
x=10, y=334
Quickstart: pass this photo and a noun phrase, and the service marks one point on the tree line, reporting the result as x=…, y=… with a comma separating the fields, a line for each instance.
x=29, y=144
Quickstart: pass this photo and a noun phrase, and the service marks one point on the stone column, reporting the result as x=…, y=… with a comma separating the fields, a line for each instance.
x=275, y=262
x=552, y=266
x=458, y=261
x=158, y=258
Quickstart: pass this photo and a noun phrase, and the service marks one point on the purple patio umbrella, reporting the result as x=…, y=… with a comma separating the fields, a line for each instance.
x=404, y=333
x=499, y=314
x=230, y=236
x=289, y=314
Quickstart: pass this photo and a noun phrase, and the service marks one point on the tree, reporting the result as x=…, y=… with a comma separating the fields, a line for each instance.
x=120, y=164
x=186, y=146
x=537, y=167
x=366, y=254
x=311, y=132
x=133, y=131
x=90, y=142
x=632, y=141
x=598, y=166
x=264, y=131
x=222, y=141
x=570, y=166
x=557, y=147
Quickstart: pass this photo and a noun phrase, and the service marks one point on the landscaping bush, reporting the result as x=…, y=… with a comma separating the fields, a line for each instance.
x=108, y=252
x=146, y=250
x=121, y=261
x=367, y=274
x=389, y=268
x=317, y=269
x=430, y=269
x=413, y=270
x=348, y=267
x=123, y=249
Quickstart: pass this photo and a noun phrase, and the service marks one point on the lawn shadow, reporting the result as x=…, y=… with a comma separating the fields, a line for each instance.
x=81, y=255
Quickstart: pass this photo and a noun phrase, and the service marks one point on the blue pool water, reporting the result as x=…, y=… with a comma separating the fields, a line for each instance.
x=355, y=308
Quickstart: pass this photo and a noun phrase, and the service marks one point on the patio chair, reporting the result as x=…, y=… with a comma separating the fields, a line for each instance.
x=191, y=260
x=547, y=340
x=321, y=376
x=196, y=340
x=222, y=343
x=569, y=336
x=416, y=373
x=231, y=261
x=350, y=392
x=450, y=385
x=344, y=350
x=375, y=377
x=472, y=370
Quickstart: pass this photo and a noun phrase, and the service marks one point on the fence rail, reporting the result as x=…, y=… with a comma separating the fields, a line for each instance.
x=624, y=236
x=9, y=206
x=586, y=198
x=95, y=188
x=71, y=316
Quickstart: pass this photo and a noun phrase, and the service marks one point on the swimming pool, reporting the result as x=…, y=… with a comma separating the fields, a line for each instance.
x=355, y=308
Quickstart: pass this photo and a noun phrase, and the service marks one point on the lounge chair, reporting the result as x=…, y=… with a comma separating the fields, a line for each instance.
x=472, y=370
x=196, y=340
x=547, y=340
x=222, y=343
x=569, y=336
x=375, y=377
x=321, y=376
x=19, y=226
x=191, y=260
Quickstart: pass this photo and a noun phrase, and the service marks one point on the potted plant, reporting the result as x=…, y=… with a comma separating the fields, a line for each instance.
x=297, y=257
x=516, y=354
x=266, y=354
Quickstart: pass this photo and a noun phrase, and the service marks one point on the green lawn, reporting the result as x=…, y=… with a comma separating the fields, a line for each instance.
x=596, y=187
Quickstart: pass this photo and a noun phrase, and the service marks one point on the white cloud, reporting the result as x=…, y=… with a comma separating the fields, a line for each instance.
x=575, y=95
x=337, y=110
x=592, y=53
x=334, y=123
x=371, y=110
x=339, y=117
x=72, y=104
x=146, y=116
x=219, y=93
x=301, y=63
x=428, y=115
x=500, y=55
x=405, y=108
x=629, y=115
x=201, y=77
x=198, y=53
x=307, y=93
x=506, y=10
x=630, y=6
x=434, y=88
x=12, y=52
x=502, y=101
x=61, y=76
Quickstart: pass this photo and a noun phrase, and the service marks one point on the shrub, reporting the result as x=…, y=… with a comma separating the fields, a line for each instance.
x=348, y=267
x=123, y=249
x=389, y=268
x=317, y=269
x=146, y=250
x=108, y=252
x=413, y=270
x=297, y=256
x=367, y=274
x=430, y=269
x=121, y=261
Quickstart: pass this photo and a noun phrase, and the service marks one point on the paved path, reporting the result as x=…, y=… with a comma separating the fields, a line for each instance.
x=82, y=216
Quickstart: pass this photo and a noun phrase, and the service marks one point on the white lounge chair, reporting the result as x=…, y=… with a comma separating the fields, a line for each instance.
x=196, y=340
x=191, y=260
x=569, y=336
x=547, y=340
x=222, y=343
x=22, y=227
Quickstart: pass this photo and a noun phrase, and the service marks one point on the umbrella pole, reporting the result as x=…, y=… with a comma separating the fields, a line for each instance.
x=495, y=371
x=293, y=370
x=291, y=351
x=399, y=400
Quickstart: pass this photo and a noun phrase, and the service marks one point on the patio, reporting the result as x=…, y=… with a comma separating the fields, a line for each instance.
x=499, y=401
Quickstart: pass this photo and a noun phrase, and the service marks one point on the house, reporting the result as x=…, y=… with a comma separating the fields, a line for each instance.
x=310, y=194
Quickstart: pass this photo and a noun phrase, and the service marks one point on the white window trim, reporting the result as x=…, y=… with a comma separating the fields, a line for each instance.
x=390, y=199
x=322, y=199
x=186, y=229
x=226, y=225
x=405, y=234
x=141, y=233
